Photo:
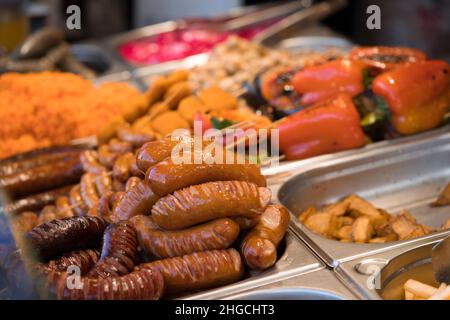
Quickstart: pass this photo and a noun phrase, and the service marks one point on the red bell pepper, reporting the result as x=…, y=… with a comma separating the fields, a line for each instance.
x=321, y=82
x=386, y=58
x=417, y=94
x=326, y=127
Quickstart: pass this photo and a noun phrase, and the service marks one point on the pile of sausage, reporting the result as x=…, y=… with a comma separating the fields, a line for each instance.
x=178, y=228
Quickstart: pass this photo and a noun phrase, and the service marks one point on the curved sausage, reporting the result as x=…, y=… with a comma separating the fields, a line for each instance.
x=76, y=201
x=131, y=183
x=138, y=200
x=122, y=166
x=145, y=284
x=115, y=145
x=106, y=157
x=155, y=151
x=89, y=160
x=259, y=247
x=83, y=259
x=200, y=270
x=217, y=234
x=63, y=208
x=88, y=190
x=36, y=202
x=42, y=178
x=103, y=183
x=58, y=236
x=119, y=251
x=103, y=206
x=209, y=201
x=246, y=223
x=166, y=176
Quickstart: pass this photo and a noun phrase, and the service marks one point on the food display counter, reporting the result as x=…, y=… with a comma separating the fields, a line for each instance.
x=337, y=186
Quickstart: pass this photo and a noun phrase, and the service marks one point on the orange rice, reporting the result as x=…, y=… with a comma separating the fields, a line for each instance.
x=49, y=108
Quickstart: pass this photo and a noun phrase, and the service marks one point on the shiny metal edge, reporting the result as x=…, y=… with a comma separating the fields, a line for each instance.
x=296, y=259
x=357, y=282
x=322, y=281
x=333, y=252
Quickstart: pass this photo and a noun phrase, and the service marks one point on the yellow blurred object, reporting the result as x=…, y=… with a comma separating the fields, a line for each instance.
x=13, y=28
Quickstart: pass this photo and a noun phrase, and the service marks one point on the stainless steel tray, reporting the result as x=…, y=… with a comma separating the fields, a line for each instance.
x=400, y=175
x=381, y=276
x=319, y=284
x=296, y=259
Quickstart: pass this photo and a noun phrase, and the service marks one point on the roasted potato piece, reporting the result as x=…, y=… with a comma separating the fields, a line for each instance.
x=323, y=223
x=444, y=198
x=189, y=106
x=337, y=209
x=169, y=121
x=215, y=98
x=362, y=230
x=419, y=289
x=359, y=206
x=346, y=220
x=306, y=214
x=345, y=233
x=406, y=227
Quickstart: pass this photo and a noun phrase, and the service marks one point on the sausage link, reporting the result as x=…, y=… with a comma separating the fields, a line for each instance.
x=58, y=236
x=138, y=200
x=115, y=145
x=106, y=157
x=131, y=183
x=42, y=178
x=144, y=284
x=76, y=201
x=246, y=223
x=166, y=176
x=89, y=160
x=200, y=270
x=83, y=259
x=88, y=190
x=136, y=138
x=36, y=202
x=103, y=183
x=119, y=251
x=259, y=247
x=217, y=234
x=209, y=201
x=103, y=206
x=122, y=167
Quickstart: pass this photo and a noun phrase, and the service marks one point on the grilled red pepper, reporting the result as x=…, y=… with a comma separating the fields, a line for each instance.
x=386, y=58
x=326, y=127
x=418, y=95
x=319, y=83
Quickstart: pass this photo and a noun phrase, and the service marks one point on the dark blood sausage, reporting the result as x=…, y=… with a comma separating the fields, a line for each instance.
x=200, y=270
x=144, y=284
x=259, y=247
x=208, y=201
x=166, y=177
x=138, y=200
x=217, y=234
x=59, y=236
x=42, y=178
x=38, y=157
x=119, y=251
x=38, y=201
x=83, y=259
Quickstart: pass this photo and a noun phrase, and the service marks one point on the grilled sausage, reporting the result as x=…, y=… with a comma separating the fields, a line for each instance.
x=83, y=259
x=144, y=284
x=209, y=201
x=200, y=270
x=259, y=247
x=36, y=202
x=103, y=183
x=63, y=208
x=122, y=167
x=131, y=183
x=138, y=200
x=103, y=206
x=166, y=176
x=106, y=157
x=76, y=201
x=119, y=251
x=136, y=138
x=56, y=237
x=89, y=160
x=115, y=145
x=217, y=234
x=88, y=190
x=42, y=178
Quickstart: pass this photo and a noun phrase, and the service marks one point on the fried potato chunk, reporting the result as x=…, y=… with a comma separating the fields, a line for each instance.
x=362, y=230
x=323, y=223
x=444, y=198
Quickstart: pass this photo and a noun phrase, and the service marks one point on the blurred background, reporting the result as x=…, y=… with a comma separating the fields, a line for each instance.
x=420, y=23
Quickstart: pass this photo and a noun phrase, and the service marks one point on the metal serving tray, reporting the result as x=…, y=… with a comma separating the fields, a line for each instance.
x=381, y=276
x=406, y=175
x=319, y=284
x=296, y=259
